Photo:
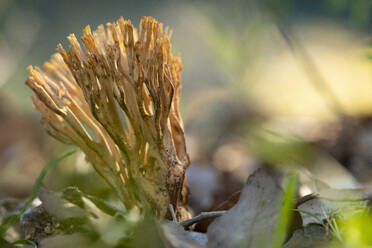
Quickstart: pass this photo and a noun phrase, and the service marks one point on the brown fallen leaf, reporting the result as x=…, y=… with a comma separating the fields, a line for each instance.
x=311, y=236
x=252, y=221
x=175, y=236
x=203, y=225
x=330, y=202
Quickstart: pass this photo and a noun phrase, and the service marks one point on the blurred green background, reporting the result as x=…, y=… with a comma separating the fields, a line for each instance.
x=251, y=70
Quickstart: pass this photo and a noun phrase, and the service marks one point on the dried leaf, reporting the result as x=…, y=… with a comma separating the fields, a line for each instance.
x=203, y=225
x=58, y=207
x=251, y=222
x=175, y=236
x=331, y=202
x=311, y=236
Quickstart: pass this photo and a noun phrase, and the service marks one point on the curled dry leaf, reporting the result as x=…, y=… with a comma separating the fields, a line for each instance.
x=203, y=225
x=331, y=202
x=58, y=207
x=309, y=237
x=251, y=222
x=174, y=235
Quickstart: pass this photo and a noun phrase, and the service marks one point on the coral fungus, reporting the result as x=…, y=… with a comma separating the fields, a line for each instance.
x=117, y=99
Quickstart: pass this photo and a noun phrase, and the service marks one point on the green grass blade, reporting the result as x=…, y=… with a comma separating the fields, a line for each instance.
x=24, y=242
x=7, y=222
x=11, y=219
x=285, y=215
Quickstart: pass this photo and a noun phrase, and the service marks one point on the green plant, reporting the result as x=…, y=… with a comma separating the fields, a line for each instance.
x=9, y=220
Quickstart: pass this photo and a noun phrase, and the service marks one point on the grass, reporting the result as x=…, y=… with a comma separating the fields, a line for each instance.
x=285, y=213
x=9, y=220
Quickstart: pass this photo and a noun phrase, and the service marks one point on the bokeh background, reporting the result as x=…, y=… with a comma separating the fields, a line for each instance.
x=264, y=81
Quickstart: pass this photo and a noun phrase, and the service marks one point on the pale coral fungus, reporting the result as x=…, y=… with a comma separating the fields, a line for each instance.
x=117, y=99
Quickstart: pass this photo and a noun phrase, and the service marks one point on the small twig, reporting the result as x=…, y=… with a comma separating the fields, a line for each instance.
x=202, y=216
x=171, y=210
x=306, y=198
